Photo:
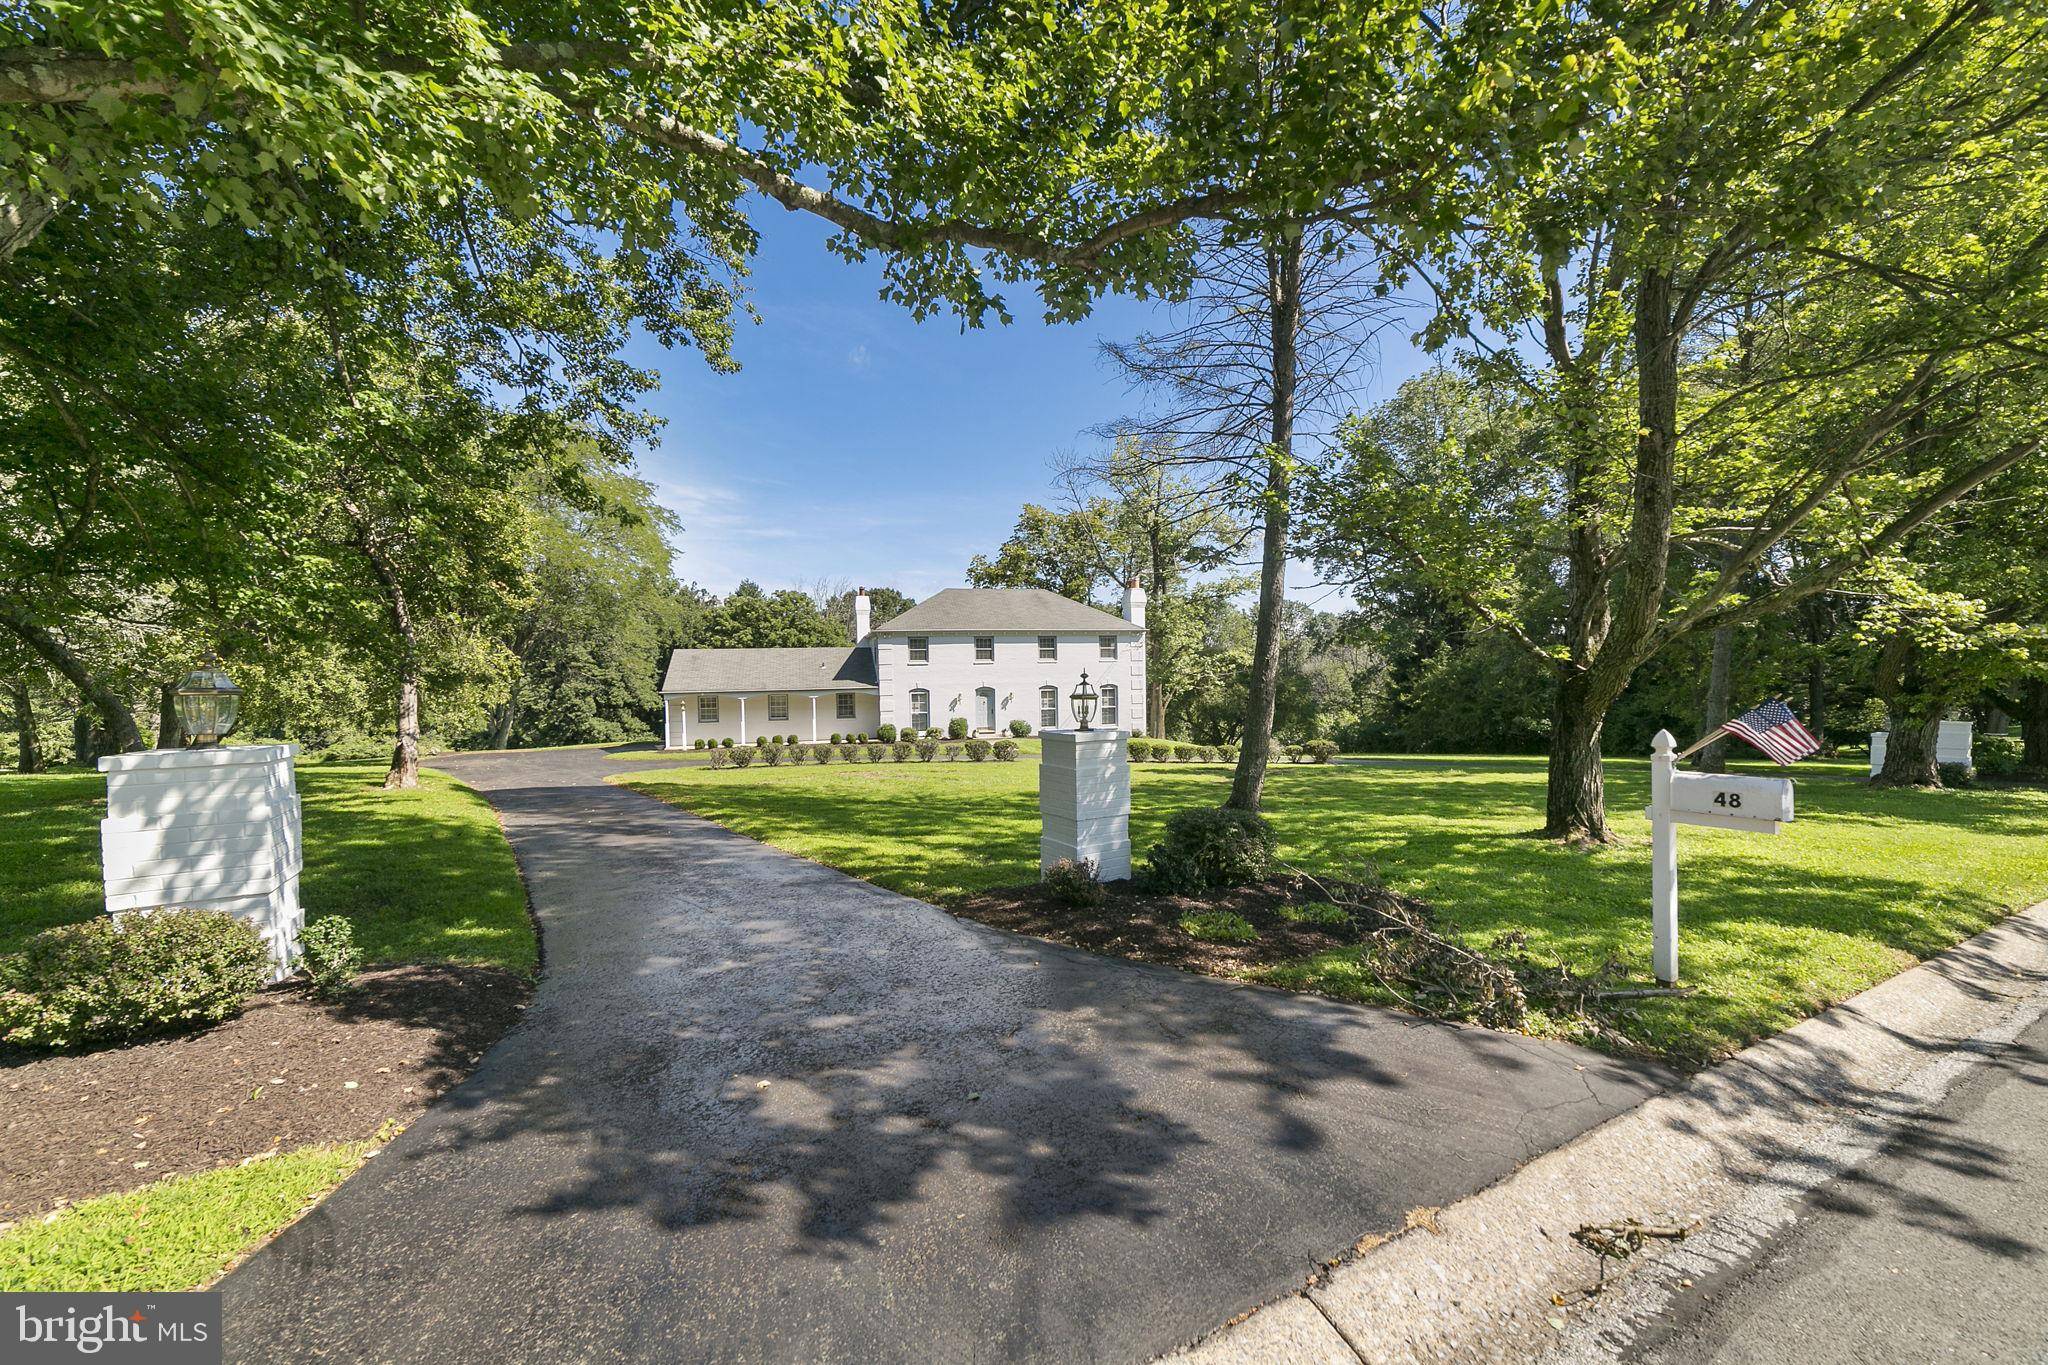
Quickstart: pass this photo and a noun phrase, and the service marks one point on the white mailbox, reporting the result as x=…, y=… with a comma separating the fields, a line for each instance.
x=1757, y=804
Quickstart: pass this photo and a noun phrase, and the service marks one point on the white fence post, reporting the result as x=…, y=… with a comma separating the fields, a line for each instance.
x=1663, y=862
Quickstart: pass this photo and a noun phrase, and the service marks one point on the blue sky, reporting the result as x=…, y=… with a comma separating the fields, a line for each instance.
x=856, y=443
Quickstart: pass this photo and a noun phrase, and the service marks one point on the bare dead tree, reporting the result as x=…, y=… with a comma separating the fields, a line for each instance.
x=1261, y=363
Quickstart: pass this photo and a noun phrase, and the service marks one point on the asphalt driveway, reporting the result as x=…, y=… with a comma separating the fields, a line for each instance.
x=760, y=1111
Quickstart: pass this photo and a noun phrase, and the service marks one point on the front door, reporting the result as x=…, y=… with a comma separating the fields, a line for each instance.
x=985, y=707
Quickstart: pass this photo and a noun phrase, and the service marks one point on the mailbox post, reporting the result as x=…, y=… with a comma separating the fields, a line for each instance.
x=1760, y=805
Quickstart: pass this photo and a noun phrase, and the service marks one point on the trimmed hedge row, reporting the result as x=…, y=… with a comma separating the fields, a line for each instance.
x=902, y=751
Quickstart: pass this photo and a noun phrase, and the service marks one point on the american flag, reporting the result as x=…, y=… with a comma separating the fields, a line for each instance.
x=1773, y=728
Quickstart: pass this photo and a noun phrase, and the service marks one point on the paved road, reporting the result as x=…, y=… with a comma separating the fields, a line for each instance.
x=1937, y=1249
x=761, y=1111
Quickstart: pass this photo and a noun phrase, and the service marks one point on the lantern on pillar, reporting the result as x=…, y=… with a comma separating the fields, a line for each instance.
x=1083, y=699
x=208, y=704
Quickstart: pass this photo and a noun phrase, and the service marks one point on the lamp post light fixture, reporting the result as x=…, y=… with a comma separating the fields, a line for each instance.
x=1083, y=700
x=208, y=704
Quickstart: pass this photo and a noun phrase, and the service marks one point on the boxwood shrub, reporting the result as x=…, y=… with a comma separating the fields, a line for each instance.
x=1019, y=728
x=956, y=728
x=100, y=982
x=886, y=733
x=1210, y=847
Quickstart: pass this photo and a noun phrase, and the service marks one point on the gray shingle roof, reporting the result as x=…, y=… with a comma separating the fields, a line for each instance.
x=838, y=668
x=1003, y=609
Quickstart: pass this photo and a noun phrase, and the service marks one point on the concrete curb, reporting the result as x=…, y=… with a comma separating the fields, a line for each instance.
x=1785, y=1114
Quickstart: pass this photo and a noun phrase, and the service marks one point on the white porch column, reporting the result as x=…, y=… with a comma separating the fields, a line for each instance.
x=668, y=723
x=1084, y=800
x=814, y=717
x=743, y=720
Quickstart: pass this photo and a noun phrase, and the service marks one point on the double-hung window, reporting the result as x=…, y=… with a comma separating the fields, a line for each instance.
x=1108, y=650
x=920, y=649
x=984, y=649
x=778, y=706
x=1109, y=705
x=707, y=710
x=1048, y=707
x=845, y=706
x=1048, y=648
x=920, y=709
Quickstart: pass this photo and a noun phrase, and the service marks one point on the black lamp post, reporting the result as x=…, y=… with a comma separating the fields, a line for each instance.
x=1083, y=699
x=208, y=704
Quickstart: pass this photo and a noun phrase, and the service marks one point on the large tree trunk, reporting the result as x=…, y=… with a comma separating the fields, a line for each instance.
x=1909, y=749
x=1714, y=710
x=2034, y=724
x=170, y=732
x=1576, y=801
x=115, y=719
x=1817, y=701
x=29, y=755
x=503, y=715
x=1283, y=271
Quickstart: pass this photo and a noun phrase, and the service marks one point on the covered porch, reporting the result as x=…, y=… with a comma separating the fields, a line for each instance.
x=812, y=715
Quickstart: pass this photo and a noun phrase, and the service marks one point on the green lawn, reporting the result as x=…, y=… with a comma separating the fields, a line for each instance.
x=177, y=1234
x=425, y=875
x=1772, y=927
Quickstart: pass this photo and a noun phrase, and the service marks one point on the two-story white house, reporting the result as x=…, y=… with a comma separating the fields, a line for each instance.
x=990, y=655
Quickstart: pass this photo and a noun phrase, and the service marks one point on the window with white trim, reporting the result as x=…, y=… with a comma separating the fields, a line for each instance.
x=1048, y=707
x=707, y=710
x=778, y=706
x=920, y=709
x=1109, y=691
x=920, y=649
x=984, y=649
x=1048, y=648
x=1108, y=647
x=846, y=706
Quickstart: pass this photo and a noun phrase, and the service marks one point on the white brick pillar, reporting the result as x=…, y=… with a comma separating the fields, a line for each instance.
x=1084, y=800
x=207, y=829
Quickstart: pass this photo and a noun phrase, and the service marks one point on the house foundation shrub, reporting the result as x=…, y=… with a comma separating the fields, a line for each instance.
x=1211, y=847
x=956, y=728
x=697, y=744
x=837, y=737
x=98, y=982
x=329, y=957
x=886, y=733
x=725, y=743
x=1075, y=883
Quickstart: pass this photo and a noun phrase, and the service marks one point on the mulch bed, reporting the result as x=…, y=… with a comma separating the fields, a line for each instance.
x=288, y=1072
x=1144, y=925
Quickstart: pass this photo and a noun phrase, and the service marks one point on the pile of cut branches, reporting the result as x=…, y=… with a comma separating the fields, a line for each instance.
x=1438, y=977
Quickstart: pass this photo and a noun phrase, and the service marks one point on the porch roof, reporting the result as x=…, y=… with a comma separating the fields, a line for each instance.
x=838, y=668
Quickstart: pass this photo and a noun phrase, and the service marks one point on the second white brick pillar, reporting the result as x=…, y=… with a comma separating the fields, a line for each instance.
x=1084, y=800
